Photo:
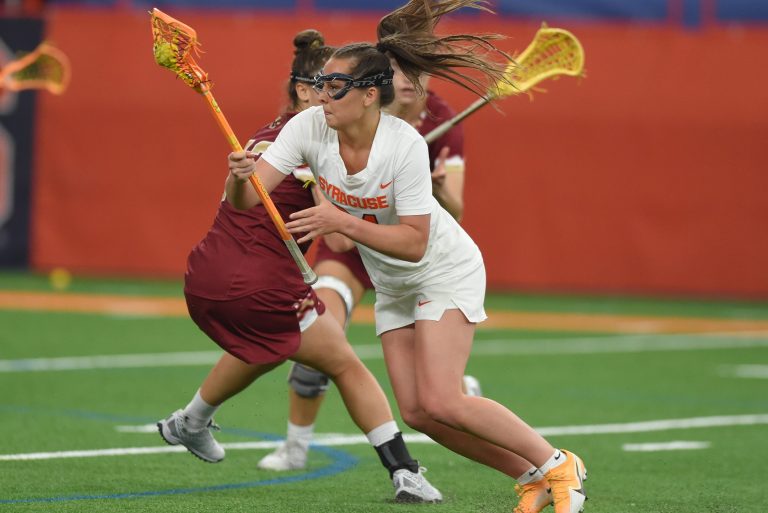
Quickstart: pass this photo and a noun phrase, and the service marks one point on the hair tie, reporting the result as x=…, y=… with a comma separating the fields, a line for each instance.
x=381, y=47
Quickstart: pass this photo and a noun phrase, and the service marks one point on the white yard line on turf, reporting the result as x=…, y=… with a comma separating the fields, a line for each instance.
x=679, y=445
x=538, y=346
x=333, y=439
x=113, y=361
x=753, y=371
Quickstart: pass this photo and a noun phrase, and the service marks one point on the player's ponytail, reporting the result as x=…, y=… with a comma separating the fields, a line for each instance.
x=407, y=35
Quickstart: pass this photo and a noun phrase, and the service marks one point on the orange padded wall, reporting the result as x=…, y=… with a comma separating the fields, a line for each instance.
x=649, y=176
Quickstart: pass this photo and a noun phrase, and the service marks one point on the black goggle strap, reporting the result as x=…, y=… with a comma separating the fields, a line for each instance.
x=299, y=78
x=380, y=79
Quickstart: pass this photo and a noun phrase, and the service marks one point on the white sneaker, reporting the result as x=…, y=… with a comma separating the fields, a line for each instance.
x=411, y=487
x=289, y=455
x=472, y=386
x=199, y=442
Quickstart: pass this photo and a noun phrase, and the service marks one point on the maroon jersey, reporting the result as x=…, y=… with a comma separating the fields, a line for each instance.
x=435, y=113
x=243, y=253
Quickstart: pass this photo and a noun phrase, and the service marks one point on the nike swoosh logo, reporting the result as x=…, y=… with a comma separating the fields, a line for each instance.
x=385, y=185
x=532, y=473
x=558, y=456
x=422, y=303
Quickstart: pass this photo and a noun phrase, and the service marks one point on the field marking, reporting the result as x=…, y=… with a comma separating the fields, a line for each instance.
x=491, y=347
x=749, y=371
x=335, y=439
x=148, y=306
x=678, y=445
x=142, y=428
x=340, y=462
x=620, y=344
x=115, y=361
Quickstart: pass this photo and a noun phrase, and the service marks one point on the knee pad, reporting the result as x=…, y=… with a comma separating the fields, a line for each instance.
x=307, y=382
x=341, y=288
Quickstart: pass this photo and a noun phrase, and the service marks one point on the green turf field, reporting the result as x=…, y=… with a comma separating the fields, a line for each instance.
x=592, y=391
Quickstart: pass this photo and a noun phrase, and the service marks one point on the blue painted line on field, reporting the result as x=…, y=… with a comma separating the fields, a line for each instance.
x=340, y=462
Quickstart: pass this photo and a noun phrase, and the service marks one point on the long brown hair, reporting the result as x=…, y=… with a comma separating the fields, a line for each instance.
x=407, y=35
x=310, y=55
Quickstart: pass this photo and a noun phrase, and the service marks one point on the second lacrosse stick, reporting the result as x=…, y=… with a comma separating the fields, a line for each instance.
x=552, y=52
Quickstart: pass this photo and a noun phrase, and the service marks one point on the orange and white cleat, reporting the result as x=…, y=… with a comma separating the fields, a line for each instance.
x=534, y=497
x=567, y=483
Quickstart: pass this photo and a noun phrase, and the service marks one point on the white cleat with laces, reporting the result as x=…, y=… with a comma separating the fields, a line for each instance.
x=199, y=442
x=413, y=487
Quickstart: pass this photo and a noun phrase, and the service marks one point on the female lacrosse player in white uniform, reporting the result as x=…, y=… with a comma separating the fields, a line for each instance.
x=342, y=278
x=428, y=274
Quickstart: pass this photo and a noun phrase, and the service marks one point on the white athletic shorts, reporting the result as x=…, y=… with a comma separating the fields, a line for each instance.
x=429, y=303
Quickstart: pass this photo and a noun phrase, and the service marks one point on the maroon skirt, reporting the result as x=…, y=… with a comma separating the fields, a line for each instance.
x=250, y=330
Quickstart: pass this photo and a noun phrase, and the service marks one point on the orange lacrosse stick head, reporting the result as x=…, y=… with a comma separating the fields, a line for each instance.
x=46, y=67
x=174, y=44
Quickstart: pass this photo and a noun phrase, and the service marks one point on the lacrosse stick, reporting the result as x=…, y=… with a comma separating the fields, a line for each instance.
x=44, y=68
x=173, y=45
x=552, y=52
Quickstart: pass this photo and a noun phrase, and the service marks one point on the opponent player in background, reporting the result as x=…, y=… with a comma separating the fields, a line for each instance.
x=342, y=277
x=428, y=274
x=244, y=291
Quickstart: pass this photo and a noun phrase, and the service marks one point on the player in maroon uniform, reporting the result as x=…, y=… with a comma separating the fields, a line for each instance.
x=343, y=279
x=245, y=292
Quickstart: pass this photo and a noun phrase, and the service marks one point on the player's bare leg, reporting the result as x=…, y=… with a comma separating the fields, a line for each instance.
x=307, y=390
x=325, y=348
x=430, y=400
x=191, y=426
x=403, y=365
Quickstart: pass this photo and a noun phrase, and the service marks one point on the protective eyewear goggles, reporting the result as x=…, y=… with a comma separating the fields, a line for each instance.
x=337, y=85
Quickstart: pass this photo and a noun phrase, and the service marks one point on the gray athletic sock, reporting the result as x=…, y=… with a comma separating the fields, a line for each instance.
x=198, y=413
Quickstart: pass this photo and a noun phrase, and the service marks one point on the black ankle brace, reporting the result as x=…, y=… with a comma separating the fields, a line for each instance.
x=394, y=455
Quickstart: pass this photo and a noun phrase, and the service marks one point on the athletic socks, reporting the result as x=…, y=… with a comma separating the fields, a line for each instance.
x=383, y=433
x=390, y=447
x=198, y=413
x=301, y=435
x=557, y=459
x=532, y=475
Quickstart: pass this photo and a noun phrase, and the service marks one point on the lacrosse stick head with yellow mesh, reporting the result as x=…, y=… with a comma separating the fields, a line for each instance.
x=175, y=45
x=46, y=67
x=552, y=52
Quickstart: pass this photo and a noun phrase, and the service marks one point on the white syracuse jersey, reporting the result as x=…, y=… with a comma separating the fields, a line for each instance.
x=396, y=182
x=302, y=173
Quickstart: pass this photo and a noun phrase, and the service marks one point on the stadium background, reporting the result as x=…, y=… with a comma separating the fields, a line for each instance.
x=647, y=177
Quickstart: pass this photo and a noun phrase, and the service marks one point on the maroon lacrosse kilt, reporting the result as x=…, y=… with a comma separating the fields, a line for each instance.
x=259, y=328
x=242, y=287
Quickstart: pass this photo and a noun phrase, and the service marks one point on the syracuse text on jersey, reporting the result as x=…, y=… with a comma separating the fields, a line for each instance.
x=342, y=198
